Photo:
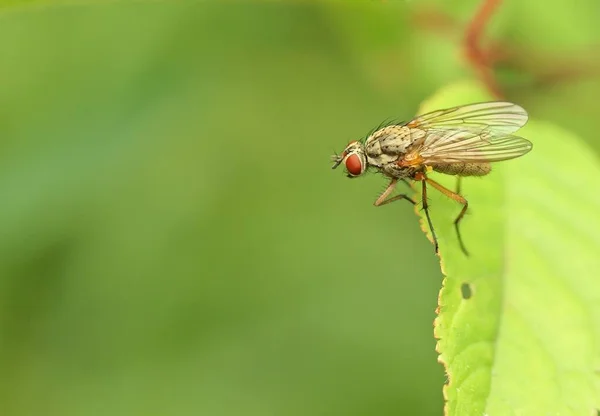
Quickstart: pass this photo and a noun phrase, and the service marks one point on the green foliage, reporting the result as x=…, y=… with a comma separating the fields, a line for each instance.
x=173, y=239
x=526, y=339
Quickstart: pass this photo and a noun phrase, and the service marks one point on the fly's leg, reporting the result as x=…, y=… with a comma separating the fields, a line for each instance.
x=458, y=184
x=455, y=196
x=395, y=198
x=385, y=199
x=424, y=181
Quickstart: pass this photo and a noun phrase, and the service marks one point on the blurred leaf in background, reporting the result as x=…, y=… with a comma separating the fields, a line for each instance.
x=173, y=239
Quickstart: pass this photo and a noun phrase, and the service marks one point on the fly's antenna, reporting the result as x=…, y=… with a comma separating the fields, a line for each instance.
x=336, y=159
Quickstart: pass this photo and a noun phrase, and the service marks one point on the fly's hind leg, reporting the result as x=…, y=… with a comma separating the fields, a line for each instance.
x=458, y=198
x=385, y=199
x=462, y=213
x=424, y=181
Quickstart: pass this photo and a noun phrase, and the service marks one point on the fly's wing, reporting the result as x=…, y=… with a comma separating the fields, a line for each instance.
x=496, y=117
x=469, y=146
x=475, y=133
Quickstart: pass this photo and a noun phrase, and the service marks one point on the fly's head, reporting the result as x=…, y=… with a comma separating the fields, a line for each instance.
x=354, y=159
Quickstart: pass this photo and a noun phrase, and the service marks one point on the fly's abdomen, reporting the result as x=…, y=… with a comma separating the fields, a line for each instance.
x=464, y=169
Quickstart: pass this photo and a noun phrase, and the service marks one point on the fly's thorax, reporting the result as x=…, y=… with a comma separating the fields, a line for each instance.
x=390, y=143
x=392, y=140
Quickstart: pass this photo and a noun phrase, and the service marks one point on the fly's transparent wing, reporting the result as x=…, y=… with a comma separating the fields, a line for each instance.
x=455, y=146
x=497, y=117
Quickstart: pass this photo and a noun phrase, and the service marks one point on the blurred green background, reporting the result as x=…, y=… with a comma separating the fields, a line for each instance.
x=173, y=239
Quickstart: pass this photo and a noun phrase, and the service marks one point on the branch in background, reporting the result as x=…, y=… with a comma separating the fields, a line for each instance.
x=546, y=68
x=472, y=46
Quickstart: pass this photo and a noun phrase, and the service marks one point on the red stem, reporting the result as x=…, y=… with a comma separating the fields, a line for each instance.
x=472, y=46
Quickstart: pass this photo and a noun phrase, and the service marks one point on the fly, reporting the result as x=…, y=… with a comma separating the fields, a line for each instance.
x=459, y=141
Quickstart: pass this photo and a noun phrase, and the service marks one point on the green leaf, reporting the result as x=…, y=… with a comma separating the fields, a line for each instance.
x=519, y=320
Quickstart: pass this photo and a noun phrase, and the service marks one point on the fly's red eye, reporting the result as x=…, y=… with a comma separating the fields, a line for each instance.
x=354, y=165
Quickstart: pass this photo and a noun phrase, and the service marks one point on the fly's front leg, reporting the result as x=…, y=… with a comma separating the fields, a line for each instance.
x=385, y=199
